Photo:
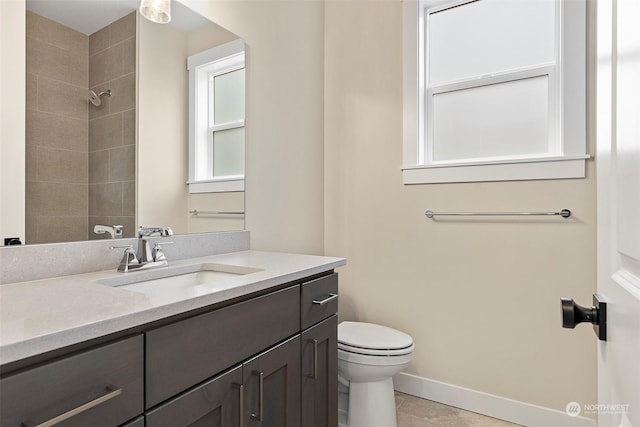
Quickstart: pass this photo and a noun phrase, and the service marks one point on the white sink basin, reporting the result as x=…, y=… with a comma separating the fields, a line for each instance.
x=171, y=284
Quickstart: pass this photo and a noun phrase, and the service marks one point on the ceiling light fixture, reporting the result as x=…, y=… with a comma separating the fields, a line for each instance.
x=156, y=10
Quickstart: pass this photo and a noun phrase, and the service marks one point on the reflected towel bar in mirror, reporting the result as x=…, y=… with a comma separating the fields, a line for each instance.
x=196, y=212
x=564, y=213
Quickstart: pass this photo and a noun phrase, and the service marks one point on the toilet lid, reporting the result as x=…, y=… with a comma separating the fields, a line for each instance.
x=372, y=337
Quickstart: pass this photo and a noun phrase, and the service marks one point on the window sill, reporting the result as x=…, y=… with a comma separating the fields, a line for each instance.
x=221, y=185
x=512, y=170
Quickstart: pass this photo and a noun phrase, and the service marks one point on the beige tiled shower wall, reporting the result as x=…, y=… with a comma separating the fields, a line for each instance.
x=112, y=149
x=56, y=132
x=80, y=159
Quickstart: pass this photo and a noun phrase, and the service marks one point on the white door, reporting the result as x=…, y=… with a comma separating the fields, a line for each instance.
x=618, y=176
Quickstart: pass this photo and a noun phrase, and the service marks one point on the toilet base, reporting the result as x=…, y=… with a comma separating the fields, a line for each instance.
x=372, y=404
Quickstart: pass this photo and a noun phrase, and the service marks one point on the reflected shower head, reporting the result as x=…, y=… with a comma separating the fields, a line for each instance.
x=95, y=98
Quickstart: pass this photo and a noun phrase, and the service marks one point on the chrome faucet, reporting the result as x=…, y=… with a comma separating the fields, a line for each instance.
x=145, y=254
x=149, y=231
x=148, y=257
x=115, y=231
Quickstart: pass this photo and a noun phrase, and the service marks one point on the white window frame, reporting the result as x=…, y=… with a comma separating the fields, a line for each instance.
x=202, y=68
x=567, y=81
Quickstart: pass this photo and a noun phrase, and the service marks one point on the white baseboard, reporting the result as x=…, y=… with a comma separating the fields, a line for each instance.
x=521, y=413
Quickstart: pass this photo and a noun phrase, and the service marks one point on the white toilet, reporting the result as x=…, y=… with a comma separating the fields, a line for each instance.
x=368, y=356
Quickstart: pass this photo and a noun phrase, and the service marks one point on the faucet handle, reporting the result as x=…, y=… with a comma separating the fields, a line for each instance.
x=129, y=257
x=158, y=253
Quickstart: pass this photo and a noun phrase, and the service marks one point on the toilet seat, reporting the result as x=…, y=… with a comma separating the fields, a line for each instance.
x=373, y=340
x=375, y=352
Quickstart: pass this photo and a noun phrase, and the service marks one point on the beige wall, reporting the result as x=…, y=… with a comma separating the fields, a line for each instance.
x=12, y=119
x=163, y=197
x=162, y=126
x=284, y=118
x=480, y=297
x=208, y=37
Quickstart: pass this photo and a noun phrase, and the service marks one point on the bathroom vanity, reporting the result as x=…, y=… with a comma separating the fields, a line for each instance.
x=257, y=348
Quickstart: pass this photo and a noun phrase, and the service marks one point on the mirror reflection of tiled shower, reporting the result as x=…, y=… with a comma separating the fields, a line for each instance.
x=80, y=158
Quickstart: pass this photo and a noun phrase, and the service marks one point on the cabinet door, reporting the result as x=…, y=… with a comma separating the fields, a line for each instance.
x=320, y=374
x=272, y=387
x=216, y=403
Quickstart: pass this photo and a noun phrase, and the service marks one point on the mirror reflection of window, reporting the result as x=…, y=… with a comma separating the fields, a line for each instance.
x=226, y=95
x=217, y=106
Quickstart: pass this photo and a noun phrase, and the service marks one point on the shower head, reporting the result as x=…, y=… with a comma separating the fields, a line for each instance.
x=95, y=98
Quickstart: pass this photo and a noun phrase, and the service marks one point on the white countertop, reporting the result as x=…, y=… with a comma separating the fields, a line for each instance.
x=44, y=315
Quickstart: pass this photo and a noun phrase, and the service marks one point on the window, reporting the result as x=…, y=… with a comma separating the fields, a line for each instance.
x=216, y=119
x=494, y=90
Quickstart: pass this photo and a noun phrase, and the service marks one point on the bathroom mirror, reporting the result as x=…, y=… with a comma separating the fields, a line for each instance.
x=107, y=122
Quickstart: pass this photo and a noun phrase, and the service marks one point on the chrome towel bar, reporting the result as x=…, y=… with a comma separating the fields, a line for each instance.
x=196, y=212
x=564, y=213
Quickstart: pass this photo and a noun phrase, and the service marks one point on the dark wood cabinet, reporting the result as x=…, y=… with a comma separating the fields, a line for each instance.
x=99, y=387
x=319, y=397
x=190, y=351
x=268, y=361
x=272, y=386
x=216, y=403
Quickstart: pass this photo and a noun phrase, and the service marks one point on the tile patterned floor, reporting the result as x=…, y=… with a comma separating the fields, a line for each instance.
x=416, y=412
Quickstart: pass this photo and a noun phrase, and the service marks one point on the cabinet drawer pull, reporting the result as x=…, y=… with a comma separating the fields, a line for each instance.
x=327, y=300
x=260, y=415
x=315, y=359
x=240, y=388
x=112, y=392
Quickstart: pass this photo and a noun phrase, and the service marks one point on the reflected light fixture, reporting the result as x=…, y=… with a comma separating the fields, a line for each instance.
x=158, y=11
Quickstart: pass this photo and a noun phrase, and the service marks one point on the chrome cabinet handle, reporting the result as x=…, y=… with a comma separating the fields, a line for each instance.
x=314, y=376
x=260, y=415
x=112, y=392
x=327, y=300
x=240, y=388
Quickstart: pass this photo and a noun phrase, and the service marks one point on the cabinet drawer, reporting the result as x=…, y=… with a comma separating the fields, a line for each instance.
x=319, y=300
x=99, y=387
x=185, y=353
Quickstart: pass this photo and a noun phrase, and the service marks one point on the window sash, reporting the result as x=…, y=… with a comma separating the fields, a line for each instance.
x=210, y=148
x=554, y=143
x=234, y=66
